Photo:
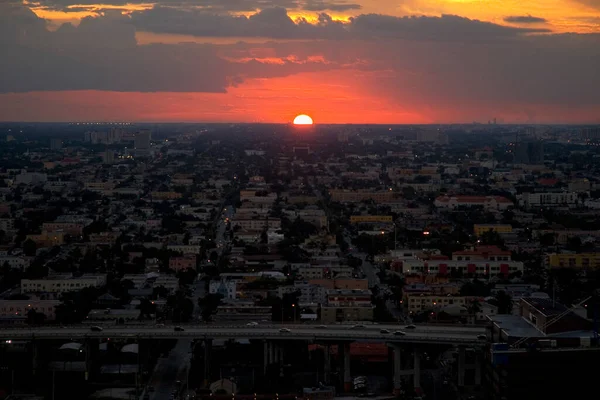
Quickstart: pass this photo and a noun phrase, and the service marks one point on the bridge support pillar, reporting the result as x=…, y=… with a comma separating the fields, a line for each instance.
x=207, y=354
x=327, y=362
x=346, y=375
x=417, y=368
x=34, y=357
x=271, y=352
x=90, y=347
x=265, y=356
x=477, y=369
x=280, y=354
x=397, y=370
x=461, y=366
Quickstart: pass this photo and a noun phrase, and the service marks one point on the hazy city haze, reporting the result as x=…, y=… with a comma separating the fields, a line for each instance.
x=358, y=61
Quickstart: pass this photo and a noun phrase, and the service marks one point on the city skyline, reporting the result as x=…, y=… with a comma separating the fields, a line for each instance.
x=360, y=61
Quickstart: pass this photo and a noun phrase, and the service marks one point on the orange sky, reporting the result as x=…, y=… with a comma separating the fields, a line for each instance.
x=333, y=96
x=562, y=15
x=326, y=97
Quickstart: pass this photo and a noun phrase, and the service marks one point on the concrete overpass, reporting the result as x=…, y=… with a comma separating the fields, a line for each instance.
x=425, y=334
x=407, y=346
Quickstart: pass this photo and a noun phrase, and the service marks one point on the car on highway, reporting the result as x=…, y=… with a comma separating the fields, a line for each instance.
x=481, y=337
x=384, y=331
x=284, y=330
x=399, y=333
x=178, y=329
x=96, y=328
x=321, y=326
x=252, y=323
x=359, y=326
x=411, y=326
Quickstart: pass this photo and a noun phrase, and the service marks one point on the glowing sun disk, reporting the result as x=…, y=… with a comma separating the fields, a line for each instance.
x=303, y=119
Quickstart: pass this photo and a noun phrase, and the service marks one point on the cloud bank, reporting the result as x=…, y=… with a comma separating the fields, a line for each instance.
x=433, y=62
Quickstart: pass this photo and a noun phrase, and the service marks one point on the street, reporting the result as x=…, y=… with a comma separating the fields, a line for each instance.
x=370, y=272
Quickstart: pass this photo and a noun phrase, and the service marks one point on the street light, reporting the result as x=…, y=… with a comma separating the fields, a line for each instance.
x=294, y=312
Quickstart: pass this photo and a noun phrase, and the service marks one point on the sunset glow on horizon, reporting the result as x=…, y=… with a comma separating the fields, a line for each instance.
x=371, y=61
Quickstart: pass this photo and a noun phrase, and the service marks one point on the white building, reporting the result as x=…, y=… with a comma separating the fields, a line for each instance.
x=529, y=200
x=15, y=262
x=223, y=287
x=484, y=268
x=487, y=202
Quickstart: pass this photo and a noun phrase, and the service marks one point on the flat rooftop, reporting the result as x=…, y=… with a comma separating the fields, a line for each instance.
x=515, y=326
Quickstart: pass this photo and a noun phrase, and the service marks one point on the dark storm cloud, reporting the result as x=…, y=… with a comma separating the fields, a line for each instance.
x=445, y=61
x=213, y=5
x=524, y=19
x=272, y=22
x=275, y=23
x=102, y=54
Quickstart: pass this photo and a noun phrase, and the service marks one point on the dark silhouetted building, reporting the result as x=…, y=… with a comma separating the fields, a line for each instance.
x=529, y=152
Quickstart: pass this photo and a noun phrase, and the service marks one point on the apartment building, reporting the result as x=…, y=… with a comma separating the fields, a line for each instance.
x=482, y=268
x=347, y=196
x=62, y=283
x=10, y=308
x=482, y=253
x=184, y=248
x=70, y=228
x=347, y=305
x=544, y=199
x=257, y=224
x=577, y=261
x=47, y=239
x=418, y=302
x=15, y=262
x=485, y=202
x=480, y=229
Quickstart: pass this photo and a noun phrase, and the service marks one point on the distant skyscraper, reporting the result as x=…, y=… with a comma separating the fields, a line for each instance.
x=108, y=157
x=56, y=144
x=529, y=152
x=142, y=142
x=590, y=134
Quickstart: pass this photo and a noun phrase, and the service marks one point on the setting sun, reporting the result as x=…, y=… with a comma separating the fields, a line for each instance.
x=303, y=119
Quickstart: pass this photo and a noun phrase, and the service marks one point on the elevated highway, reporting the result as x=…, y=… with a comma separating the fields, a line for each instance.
x=459, y=335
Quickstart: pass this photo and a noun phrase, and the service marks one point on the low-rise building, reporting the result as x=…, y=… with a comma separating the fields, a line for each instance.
x=182, y=263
